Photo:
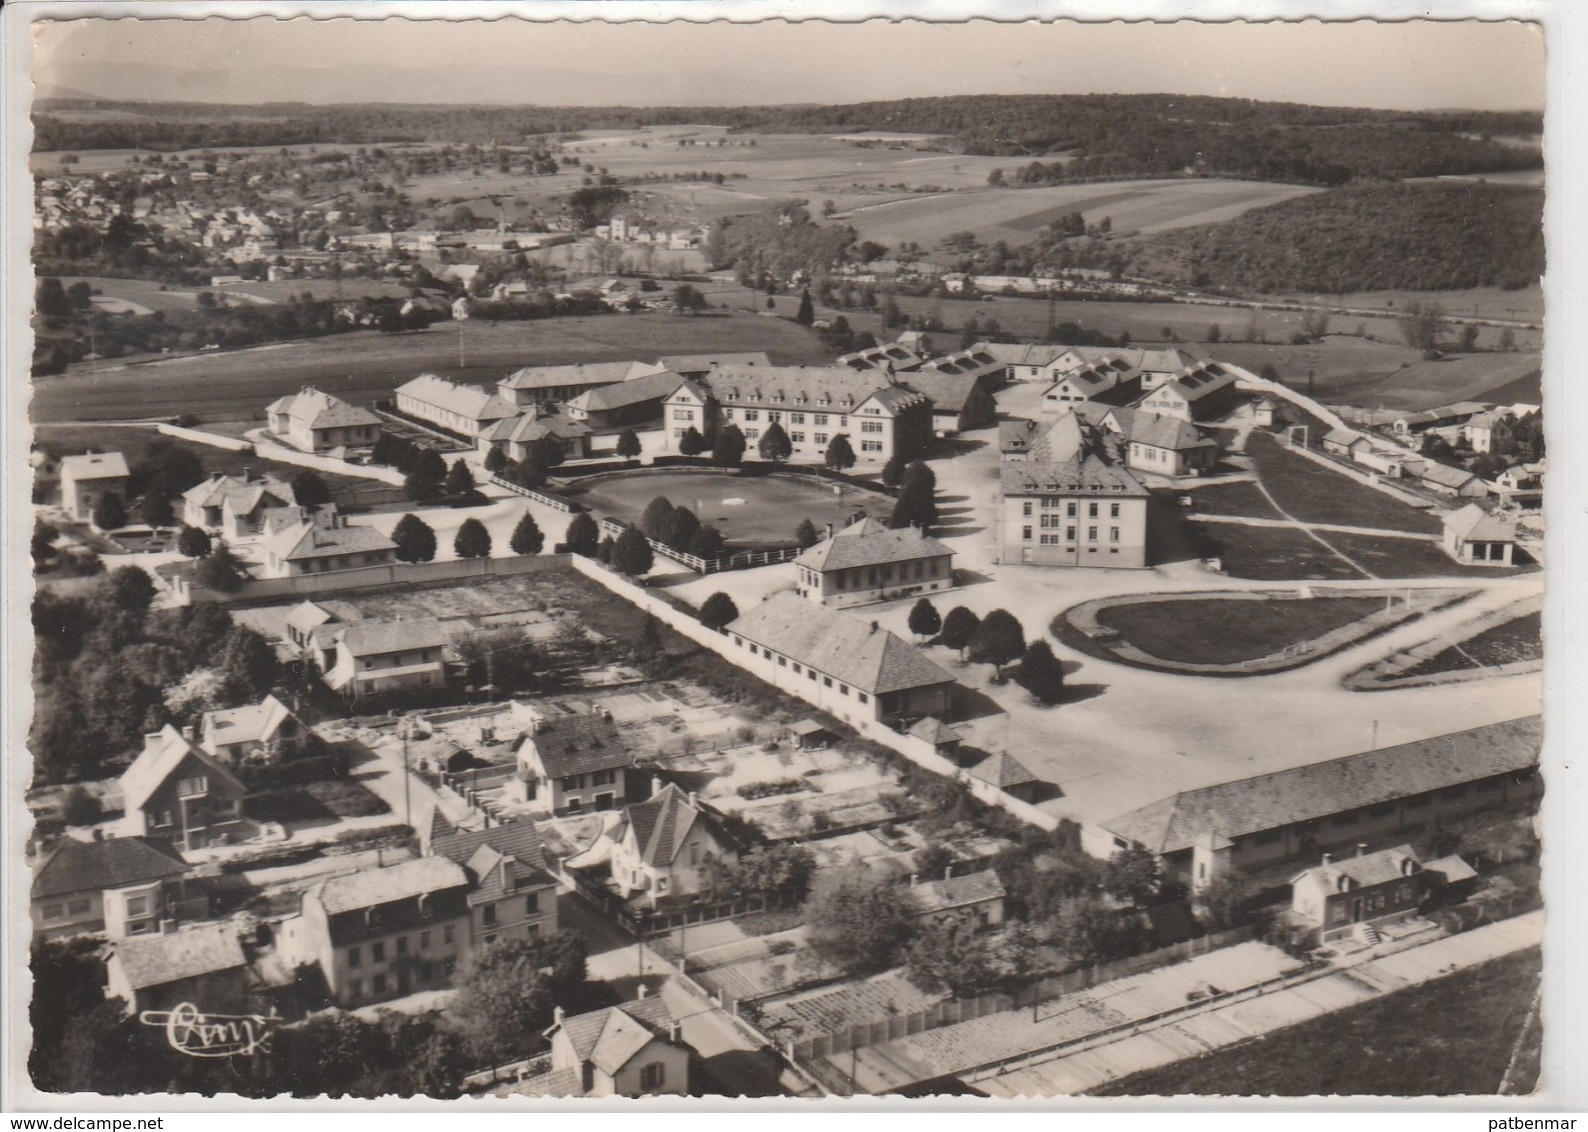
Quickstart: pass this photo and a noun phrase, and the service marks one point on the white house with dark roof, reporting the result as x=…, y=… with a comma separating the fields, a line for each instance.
x=1356, y=895
x=512, y=894
x=961, y=389
x=86, y=480
x=1447, y=480
x=1161, y=445
x=117, y=887
x=635, y=403
x=266, y=732
x=323, y=542
x=203, y=965
x=373, y=658
x=575, y=761
x=312, y=421
x=634, y=1049
x=235, y=507
x=308, y=623
x=1025, y=362
x=845, y=665
x=974, y=898
x=515, y=436
x=867, y=562
x=1083, y=512
x=176, y=791
x=1476, y=537
x=1108, y=381
x=1254, y=822
x=1009, y=774
x=465, y=410
x=1203, y=392
x=668, y=845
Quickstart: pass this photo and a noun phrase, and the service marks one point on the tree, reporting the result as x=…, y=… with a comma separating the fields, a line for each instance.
x=1090, y=930
x=416, y=541
x=840, y=456
x=708, y=543
x=156, y=510
x=718, y=610
x=934, y=861
x=582, y=536
x=919, y=472
x=1420, y=324
x=194, y=542
x=958, y=628
x=1469, y=338
x=679, y=529
x=628, y=444
x=248, y=666
x=806, y=533
x=856, y=922
x=692, y=443
x=422, y=485
x=653, y=520
x=527, y=537
x=310, y=490
x=201, y=690
x=603, y=552
x=807, y=312
x=42, y=543
x=893, y=471
x=130, y=588
x=79, y=807
x=1041, y=674
x=1132, y=875
x=915, y=507
x=956, y=958
x=1507, y=339
x=779, y=871
x=495, y=461
x=631, y=554
x=109, y=512
x=1224, y=902
x=504, y=998
x=728, y=452
x=460, y=479
x=775, y=444
x=1215, y=332
x=998, y=640
x=472, y=541
x=924, y=619
x=49, y=299
x=220, y=571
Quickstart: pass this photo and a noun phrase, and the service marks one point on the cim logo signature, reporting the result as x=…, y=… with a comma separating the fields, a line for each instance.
x=212, y=1035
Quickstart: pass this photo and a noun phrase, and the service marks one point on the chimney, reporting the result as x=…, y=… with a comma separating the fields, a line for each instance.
x=644, y=990
x=557, y=1015
x=248, y=475
x=948, y=872
x=1327, y=858
x=672, y=1033
x=692, y=797
x=874, y=626
x=187, y=733
x=1361, y=848
x=829, y=530
x=915, y=879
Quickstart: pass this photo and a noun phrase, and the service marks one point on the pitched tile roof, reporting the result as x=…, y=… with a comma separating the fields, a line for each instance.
x=578, y=743
x=650, y=387
x=1003, y=770
x=377, y=638
x=1203, y=380
x=881, y=357
x=1268, y=801
x=519, y=430
x=1473, y=523
x=848, y=549
x=1021, y=354
x=955, y=892
x=1158, y=431
x=949, y=391
x=703, y=363
x=241, y=495
x=609, y=1037
x=204, y=949
x=310, y=539
x=518, y=839
x=1087, y=474
x=162, y=754
x=661, y=824
x=556, y=377
x=1017, y=436
x=1364, y=870
x=307, y=616
x=469, y=401
x=974, y=362
x=247, y=724
x=313, y=409
x=371, y=887
x=849, y=649
x=94, y=466
x=781, y=387
x=1446, y=475
x=83, y=866
x=934, y=731
x=1342, y=436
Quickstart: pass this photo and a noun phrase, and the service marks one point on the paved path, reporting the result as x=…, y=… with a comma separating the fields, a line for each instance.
x=1253, y=521
x=1236, y=1022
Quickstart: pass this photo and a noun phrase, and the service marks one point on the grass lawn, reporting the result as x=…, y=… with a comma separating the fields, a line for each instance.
x=1242, y=499
x=1506, y=643
x=1315, y=494
x=1409, y=558
x=328, y=798
x=1225, y=631
x=1450, y=1037
x=1272, y=554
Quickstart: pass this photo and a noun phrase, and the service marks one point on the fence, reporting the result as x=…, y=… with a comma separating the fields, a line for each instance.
x=952, y=1011
x=744, y=560
x=540, y=497
x=372, y=577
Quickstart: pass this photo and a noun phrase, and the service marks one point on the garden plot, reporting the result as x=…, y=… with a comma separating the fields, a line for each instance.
x=791, y=793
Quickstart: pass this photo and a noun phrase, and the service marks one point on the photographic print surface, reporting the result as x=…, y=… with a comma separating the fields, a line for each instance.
x=783, y=559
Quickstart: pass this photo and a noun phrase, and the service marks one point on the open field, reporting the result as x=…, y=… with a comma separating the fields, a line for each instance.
x=1314, y=494
x=1425, y=384
x=1242, y=499
x=1271, y=554
x=1519, y=639
x=1215, y=631
x=1421, y=1041
x=364, y=366
x=1017, y=215
x=746, y=509
x=1411, y=558
x=1525, y=304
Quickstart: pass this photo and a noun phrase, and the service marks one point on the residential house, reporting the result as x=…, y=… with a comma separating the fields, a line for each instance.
x=867, y=562
x=1018, y=439
x=635, y=403
x=116, y=887
x=512, y=893
x=324, y=541
x=463, y=410
x=88, y=478
x=1356, y=895
x=1161, y=445
x=377, y=658
x=515, y=436
x=235, y=507
x=668, y=845
x=574, y=761
x=1521, y=477
x=1345, y=443
x=381, y=933
x=555, y=385
x=849, y=667
x=1447, y=480
x=961, y=392
x=700, y=365
x=308, y=619
x=1203, y=392
x=177, y=792
x=1476, y=537
x=312, y=421
x=812, y=403
x=1254, y=822
x=266, y=732
x=633, y=1049
x=974, y=898
x=203, y=965
x=1083, y=512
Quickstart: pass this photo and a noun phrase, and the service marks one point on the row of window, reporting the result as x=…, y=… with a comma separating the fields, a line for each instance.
x=801, y=670
x=1384, y=809
x=1049, y=503
x=751, y=416
x=1069, y=534
x=343, y=562
x=595, y=778
x=427, y=972
x=870, y=577
x=72, y=908
x=397, y=659
x=377, y=950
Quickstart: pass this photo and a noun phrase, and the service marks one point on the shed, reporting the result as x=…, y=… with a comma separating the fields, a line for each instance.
x=810, y=735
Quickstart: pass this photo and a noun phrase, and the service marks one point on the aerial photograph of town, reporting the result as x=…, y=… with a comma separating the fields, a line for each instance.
x=841, y=575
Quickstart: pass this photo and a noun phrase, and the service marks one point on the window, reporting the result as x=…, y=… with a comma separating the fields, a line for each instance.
x=796, y=418
x=573, y=781
x=377, y=952
x=871, y=446
x=603, y=778
x=198, y=784
x=368, y=663
x=653, y=1076
x=380, y=984
x=821, y=438
x=1091, y=534
x=683, y=414
x=447, y=934
x=355, y=957
x=752, y=415
x=424, y=941
x=1113, y=510
x=796, y=437
x=1091, y=510
x=782, y=661
x=402, y=946
x=1069, y=534
x=137, y=905
x=532, y=904
x=1113, y=534
x=1025, y=508
x=865, y=699
x=870, y=426
x=752, y=434
x=1025, y=534
x=827, y=681
x=819, y=419
x=51, y=911
x=843, y=689
x=1069, y=509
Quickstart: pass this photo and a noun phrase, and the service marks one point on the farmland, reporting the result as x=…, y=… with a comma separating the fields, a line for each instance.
x=364, y=366
x=151, y=296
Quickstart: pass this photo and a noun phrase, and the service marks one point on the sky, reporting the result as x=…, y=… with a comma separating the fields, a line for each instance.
x=1408, y=65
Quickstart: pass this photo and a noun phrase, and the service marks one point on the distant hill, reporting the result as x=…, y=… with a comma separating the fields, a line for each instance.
x=1414, y=237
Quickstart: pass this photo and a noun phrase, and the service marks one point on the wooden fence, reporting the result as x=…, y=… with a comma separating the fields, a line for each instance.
x=540, y=497
x=744, y=560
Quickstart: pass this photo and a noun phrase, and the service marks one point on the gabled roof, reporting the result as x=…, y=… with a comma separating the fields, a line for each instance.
x=1361, y=871
x=372, y=887
x=934, y=731
x=1200, y=381
x=247, y=724
x=1003, y=770
x=519, y=840
x=1473, y=524
x=881, y=357
x=94, y=466
x=162, y=754
x=1342, y=436
x=1446, y=475
x=204, y=949
x=241, y=495
x=1017, y=436
x=313, y=409
x=1269, y=801
x=846, y=550
x=1086, y=474
x=468, y=401
x=1158, y=431
x=578, y=743
x=651, y=387
x=781, y=387
x=556, y=377
x=661, y=824
x=1021, y=354
x=521, y=430
x=94, y=866
x=608, y=1038
x=704, y=363
x=377, y=638
x=310, y=539
x=307, y=616
x=949, y=391
x=847, y=648
x=955, y=892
